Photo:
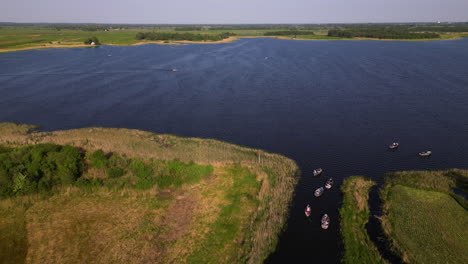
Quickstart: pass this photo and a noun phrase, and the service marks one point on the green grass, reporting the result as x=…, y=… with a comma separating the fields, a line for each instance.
x=219, y=245
x=430, y=226
x=354, y=216
x=423, y=218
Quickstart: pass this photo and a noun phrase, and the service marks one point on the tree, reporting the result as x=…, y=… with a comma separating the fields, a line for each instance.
x=89, y=41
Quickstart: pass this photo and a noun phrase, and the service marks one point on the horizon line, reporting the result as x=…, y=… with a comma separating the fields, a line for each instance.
x=288, y=23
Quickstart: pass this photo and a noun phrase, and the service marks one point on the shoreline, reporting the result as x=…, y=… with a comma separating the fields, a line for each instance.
x=227, y=40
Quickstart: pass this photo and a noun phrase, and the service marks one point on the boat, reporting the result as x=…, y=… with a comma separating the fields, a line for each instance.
x=394, y=145
x=325, y=221
x=318, y=192
x=174, y=70
x=425, y=153
x=329, y=184
x=308, y=210
x=318, y=171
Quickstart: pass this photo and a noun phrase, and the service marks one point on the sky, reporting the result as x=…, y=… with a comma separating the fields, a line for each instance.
x=232, y=11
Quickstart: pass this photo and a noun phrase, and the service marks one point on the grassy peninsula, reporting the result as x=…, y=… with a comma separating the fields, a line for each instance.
x=106, y=195
x=425, y=221
x=354, y=215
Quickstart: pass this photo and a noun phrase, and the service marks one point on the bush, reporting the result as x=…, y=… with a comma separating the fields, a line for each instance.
x=98, y=159
x=88, y=41
x=140, y=169
x=115, y=172
x=29, y=169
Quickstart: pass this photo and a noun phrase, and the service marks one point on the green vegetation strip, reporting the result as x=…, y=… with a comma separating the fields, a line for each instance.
x=423, y=218
x=354, y=216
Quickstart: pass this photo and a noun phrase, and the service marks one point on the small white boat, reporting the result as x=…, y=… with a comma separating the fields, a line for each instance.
x=394, y=145
x=319, y=192
x=425, y=153
x=318, y=171
x=308, y=210
x=325, y=221
x=329, y=184
x=174, y=70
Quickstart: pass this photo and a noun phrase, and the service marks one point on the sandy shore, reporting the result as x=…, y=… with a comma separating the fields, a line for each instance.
x=46, y=46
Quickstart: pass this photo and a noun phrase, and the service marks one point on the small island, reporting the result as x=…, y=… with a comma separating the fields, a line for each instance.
x=106, y=195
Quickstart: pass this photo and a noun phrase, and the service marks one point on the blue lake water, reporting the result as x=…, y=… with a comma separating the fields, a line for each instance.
x=330, y=104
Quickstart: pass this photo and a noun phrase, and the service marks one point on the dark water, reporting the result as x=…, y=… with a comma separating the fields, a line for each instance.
x=329, y=104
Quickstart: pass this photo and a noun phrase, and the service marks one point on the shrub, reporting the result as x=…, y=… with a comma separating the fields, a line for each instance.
x=25, y=170
x=98, y=159
x=117, y=161
x=140, y=169
x=115, y=172
x=88, y=41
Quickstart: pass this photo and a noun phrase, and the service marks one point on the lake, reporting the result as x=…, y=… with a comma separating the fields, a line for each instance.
x=330, y=104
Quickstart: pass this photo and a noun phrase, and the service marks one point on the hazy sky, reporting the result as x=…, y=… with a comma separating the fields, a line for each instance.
x=232, y=11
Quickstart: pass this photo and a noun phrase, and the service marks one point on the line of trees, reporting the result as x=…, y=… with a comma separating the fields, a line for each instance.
x=182, y=36
x=188, y=28
x=288, y=33
x=382, y=33
x=455, y=28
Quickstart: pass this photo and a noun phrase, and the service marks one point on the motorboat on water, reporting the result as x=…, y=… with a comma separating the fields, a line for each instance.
x=394, y=145
x=319, y=192
x=174, y=70
x=425, y=153
x=308, y=210
x=325, y=221
x=318, y=171
x=329, y=184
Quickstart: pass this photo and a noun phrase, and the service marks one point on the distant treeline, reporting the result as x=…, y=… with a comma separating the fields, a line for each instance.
x=380, y=34
x=188, y=28
x=455, y=28
x=288, y=33
x=181, y=36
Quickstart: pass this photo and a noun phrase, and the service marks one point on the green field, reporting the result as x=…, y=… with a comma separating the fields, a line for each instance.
x=425, y=221
x=137, y=197
x=354, y=216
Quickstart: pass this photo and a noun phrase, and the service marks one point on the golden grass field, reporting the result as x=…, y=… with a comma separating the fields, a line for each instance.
x=234, y=215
